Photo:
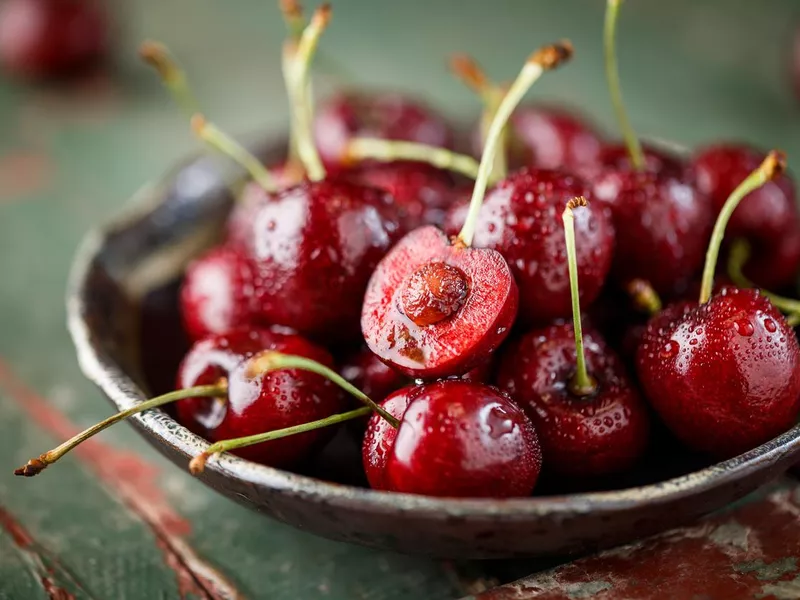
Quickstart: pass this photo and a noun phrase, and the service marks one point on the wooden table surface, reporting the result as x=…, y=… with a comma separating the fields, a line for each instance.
x=115, y=521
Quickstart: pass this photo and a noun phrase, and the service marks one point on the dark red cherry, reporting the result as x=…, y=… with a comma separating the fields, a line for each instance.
x=385, y=116
x=216, y=293
x=766, y=217
x=371, y=375
x=51, y=38
x=597, y=434
x=456, y=439
x=521, y=219
x=724, y=376
x=274, y=400
x=616, y=157
x=314, y=248
x=434, y=308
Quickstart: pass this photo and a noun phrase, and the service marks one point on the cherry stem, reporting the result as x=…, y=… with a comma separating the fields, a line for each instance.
x=37, y=465
x=270, y=360
x=295, y=24
x=644, y=297
x=297, y=59
x=198, y=463
x=774, y=164
x=615, y=89
x=473, y=76
x=581, y=383
x=227, y=146
x=390, y=150
x=544, y=59
x=737, y=258
x=293, y=17
x=172, y=75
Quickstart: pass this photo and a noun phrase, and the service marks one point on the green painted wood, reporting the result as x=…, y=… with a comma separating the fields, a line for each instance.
x=692, y=71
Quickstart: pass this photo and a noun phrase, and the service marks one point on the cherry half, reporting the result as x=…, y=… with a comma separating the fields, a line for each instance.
x=436, y=308
x=725, y=375
x=589, y=416
x=455, y=439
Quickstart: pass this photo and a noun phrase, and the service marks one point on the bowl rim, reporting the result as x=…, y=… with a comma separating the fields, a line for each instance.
x=125, y=393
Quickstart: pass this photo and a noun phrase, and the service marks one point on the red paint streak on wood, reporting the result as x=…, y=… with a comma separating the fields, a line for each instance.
x=23, y=173
x=134, y=481
x=753, y=552
x=23, y=540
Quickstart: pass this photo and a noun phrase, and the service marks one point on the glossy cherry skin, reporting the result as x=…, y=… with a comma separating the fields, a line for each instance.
x=596, y=435
x=315, y=246
x=476, y=323
x=51, y=38
x=371, y=375
x=456, y=439
x=216, y=293
x=269, y=401
x=724, y=376
x=767, y=217
x=521, y=219
x=662, y=225
x=385, y=115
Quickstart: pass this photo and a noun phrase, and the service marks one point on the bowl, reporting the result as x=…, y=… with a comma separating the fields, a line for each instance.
x=125, y=274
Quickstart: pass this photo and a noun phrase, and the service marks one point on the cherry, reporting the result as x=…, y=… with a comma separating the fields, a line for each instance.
x=51, y=38
x=216, y=293
x=767, y=218
x=456, y=439
x=725, y=375
x=589, y=416
x=436, y=308
x=371, y=375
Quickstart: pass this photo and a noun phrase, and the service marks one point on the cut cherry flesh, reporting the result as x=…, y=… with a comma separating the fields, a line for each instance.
x=521, y=219
x=315, y=246
x=456, y=439
x=386, y=116
x=598, y=434
x=724, y=376
x=216, y=293
x=270, y=401
x=766, y=217
x=460, y=340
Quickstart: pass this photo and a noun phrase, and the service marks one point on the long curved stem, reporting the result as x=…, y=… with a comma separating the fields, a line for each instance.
x=37, y=465
x=198, y=463
x=738, y=257
x=614, y=87
x=391, y=150
x=172, y=75
x=544, y=59
x=582, y=383
x=774, y=164
x=270, y=360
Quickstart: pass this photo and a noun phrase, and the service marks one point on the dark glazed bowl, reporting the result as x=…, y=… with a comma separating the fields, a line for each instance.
x=147, y=247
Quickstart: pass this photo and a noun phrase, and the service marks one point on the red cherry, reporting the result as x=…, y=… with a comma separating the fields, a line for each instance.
x=434, y=309
x=456, y=439
x=270, y=401
x=315, y=246
x=216, y=293
x=725, y=376
x=521, y=219
x=616, y=157
x=597, y=434
x=767, y=217
x=371, y=375
x=51, y=38
x=385, y=116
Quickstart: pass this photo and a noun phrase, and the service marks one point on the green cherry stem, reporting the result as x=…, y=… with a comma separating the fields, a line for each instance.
x=295, y=24
x=301, y=55
x=391, y=150
x=227, y=146
x=774, y=164
x=644, y=297
x=37, y=465
x=270, y=360
x=614, y=87
x=293, y=17
x=198, y=463
x=172, y=75
x=581, y=383
x=737, y=258
x=544, y=59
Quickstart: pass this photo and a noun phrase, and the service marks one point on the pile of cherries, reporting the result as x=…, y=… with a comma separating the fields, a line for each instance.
x=366, y=264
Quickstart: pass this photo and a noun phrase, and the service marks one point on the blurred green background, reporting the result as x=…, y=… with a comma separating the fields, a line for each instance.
x=692, y=70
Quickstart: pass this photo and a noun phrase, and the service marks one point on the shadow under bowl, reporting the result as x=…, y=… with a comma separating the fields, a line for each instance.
x=126, y=265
